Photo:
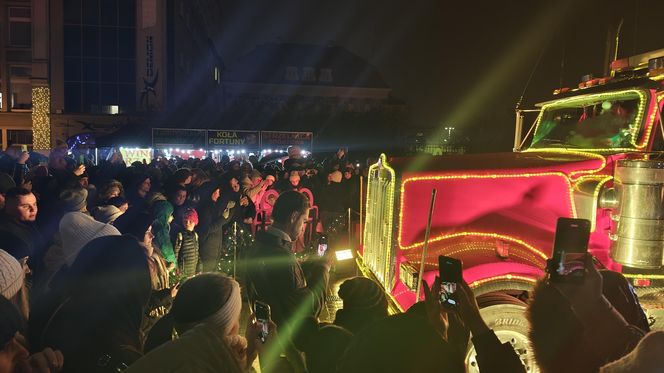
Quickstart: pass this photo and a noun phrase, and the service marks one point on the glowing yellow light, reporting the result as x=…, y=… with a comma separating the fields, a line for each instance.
x=41, y=121
x=378, y=230
x=344, y=254
x=475, y=176
x=480, y=234
x=647, y=277
x=502, y=278
x=467, y=248
x=585, y=154
x=640, y=112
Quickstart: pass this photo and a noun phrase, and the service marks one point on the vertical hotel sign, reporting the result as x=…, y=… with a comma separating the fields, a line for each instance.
x=150, y=59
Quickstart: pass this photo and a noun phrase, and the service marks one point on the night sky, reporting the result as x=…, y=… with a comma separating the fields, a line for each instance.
x=456, y=63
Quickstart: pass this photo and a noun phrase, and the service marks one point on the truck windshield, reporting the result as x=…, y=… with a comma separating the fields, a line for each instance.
x=595, y=122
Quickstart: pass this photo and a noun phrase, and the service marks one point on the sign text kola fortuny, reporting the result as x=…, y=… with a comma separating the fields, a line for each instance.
x=226, y=138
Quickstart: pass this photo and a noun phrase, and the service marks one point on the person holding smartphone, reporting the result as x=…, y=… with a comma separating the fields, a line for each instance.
x=275, y=276
x=450, y=297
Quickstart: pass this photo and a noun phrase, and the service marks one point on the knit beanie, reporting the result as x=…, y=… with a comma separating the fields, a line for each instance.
x=362, y=293
x=107, y=214
x=190, y=214
x=77, y=229
x=12, y=275
x=74, y=199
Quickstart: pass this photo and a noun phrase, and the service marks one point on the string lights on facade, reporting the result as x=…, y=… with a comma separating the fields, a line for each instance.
x=41, y=121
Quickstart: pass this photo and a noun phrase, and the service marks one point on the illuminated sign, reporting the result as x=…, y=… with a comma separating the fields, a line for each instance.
x=233, y=139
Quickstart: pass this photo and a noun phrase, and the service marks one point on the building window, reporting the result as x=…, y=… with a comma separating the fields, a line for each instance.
x=100, y=56
x=20, y=137
x=325, y=76
x=20, y=27
x=291, y=74
x=20, y=88
x=308, y=74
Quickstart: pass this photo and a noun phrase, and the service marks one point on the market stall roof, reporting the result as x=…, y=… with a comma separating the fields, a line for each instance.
x=131, y=135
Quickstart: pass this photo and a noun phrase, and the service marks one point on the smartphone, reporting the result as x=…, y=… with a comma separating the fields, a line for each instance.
x=24, y=148
x=570, y=250
x=450, y=273
x=262, y=311
x=322, y=245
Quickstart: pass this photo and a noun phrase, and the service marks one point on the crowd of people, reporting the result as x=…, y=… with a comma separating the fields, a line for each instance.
x=115, y=267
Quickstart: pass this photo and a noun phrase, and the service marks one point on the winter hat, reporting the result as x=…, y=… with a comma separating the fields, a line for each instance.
x=362, y=293
x=74, y=199
x=12, y=275
x=336, y=176
x=6, y=182
x=77, y=229
x=107, y=214
x=190, y=214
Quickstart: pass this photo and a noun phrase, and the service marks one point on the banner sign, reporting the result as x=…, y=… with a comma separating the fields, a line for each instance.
x=184, y=138
x=233, y=139
x=283, y=139
x=131, y=155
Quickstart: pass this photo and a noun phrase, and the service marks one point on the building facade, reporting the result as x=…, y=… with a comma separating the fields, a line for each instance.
x=91, y=66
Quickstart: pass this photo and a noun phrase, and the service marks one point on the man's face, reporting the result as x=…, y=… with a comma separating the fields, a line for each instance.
x=180, y=197
x=299, y=222
x=294, y=179
x=24, y=208
x=84, y=182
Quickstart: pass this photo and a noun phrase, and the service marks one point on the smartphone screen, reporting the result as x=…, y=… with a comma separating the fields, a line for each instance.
x=449, y=271
x=322, y=245
x=262, y=317
x=570, y=250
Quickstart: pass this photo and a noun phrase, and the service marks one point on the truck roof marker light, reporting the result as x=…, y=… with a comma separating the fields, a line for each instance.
x=570, y=192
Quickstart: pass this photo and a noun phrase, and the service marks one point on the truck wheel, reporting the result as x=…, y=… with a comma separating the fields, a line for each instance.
x=506, y=316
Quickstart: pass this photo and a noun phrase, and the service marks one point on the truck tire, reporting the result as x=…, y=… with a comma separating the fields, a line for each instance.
x=505, y=314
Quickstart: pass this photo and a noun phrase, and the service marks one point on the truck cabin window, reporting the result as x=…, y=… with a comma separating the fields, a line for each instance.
x=589, y=124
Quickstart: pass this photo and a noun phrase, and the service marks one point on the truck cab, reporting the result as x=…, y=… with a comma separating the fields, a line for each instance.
x=591, y=153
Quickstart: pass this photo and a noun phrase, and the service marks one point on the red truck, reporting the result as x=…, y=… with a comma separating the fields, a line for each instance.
x=592, y=153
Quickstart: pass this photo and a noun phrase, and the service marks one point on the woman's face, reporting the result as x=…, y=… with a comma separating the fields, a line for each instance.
x=235, y=185
x=145, y=186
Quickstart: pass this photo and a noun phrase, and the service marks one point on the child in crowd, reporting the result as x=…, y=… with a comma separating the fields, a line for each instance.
x=186, y=245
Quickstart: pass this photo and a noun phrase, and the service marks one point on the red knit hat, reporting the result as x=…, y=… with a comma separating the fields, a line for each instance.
x=190, y=214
